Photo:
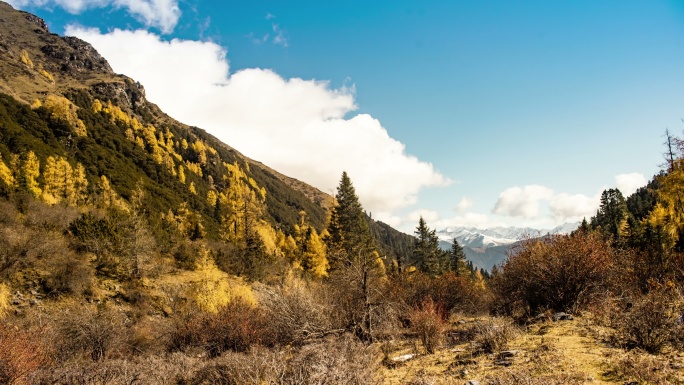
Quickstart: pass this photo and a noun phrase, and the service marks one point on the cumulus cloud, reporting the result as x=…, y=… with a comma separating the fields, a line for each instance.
x=428, y=215
x=570, y=208
x=537, y=202
x=463, y=205
x=477, y=220
x=162, y=14
x=299, y=127
x=629, y=183
x=522, y=202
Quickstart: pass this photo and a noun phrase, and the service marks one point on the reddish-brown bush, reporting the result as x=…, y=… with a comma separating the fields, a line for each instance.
x=652, y=321
x=556, y=272
x=236, y=327
x=428, y=322
x=21, y=353
x=452, y=292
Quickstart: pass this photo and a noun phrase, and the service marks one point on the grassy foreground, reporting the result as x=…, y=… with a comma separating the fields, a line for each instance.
x=563, y=352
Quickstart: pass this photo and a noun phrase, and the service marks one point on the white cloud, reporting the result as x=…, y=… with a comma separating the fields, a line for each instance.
x=392, y=220
x=428, y=215
x=571, y=208
x=279, y=37
x=480, y=221
x=540, y=204
x=299, y=127
x=629, y=183
x=463, y=205
x=522, y=202
x=162, y=14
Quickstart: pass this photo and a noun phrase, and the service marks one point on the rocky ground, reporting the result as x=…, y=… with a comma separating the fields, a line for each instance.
x=494, y=351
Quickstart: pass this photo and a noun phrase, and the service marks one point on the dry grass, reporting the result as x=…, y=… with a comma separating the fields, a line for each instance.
x=547, y=353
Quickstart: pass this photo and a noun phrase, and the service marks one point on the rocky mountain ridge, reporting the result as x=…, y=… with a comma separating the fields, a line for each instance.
x=487, y=248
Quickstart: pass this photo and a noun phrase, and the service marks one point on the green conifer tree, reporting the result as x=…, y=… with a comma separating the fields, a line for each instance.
x=355, y=264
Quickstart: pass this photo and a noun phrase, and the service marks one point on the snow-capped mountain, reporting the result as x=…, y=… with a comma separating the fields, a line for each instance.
x=499, y=236
x=487, y=248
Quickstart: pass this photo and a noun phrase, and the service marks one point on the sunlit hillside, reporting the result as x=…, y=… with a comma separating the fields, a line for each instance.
x=135, y=249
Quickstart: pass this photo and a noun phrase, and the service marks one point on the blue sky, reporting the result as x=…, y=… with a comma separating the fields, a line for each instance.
x=517, y=113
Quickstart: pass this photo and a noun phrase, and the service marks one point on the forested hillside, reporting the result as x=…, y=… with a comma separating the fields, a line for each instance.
x=136, y=249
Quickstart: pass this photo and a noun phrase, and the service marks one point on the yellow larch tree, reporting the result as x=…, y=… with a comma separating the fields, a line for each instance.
x=181, y=174
x=6, y=175
x=108, y=198
x=63, y=183
x=26, y=59
x=30, y=171
x=62, y=108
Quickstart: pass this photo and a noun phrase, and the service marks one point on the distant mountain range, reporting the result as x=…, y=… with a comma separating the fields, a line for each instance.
x=487, y=248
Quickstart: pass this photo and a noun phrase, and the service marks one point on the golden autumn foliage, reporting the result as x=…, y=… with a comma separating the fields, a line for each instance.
x=47, y=75
x=185, y=221
x=6, y=175
x=668, y=213
x=242, y=205
x=214, y=289
x=116, y=114
x=311, y=255
x=108, y=198
x=26, y=59
x=181, y=174
x=64, y=184
x=314, y=259
x=30, y=171
x=212, y=197
x=200, y=151
x=62, y=108
x=194, y=167
x=5, y=295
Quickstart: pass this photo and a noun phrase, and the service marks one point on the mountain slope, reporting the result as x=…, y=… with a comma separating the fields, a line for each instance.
x=62, y=99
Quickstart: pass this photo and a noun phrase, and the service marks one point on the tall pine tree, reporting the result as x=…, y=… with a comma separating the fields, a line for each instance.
x=427, y=256
x=354, y=262
x=457, y=259
x=349, y=235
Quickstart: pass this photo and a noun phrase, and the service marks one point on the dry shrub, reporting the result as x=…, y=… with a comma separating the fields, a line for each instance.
x=422, y=378
x=638, y=368
x=454, y=293
x=173, y=369
x=555, y=272
x=295, y=314
x=527, y=377
x=68, y=274
x=259, y=366
x=493, y=335
x=334, y=361
x=51, y=218
x=235, y=327
x=148, y=336
x=8, y=213
x=428, y=322
x=21, y=353
x=652, y=322
x=93, y=333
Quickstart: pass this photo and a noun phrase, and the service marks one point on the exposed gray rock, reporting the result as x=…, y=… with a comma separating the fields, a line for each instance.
x=37, y=21
x=561, y=316
x=508, y=354
x=504, y=362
